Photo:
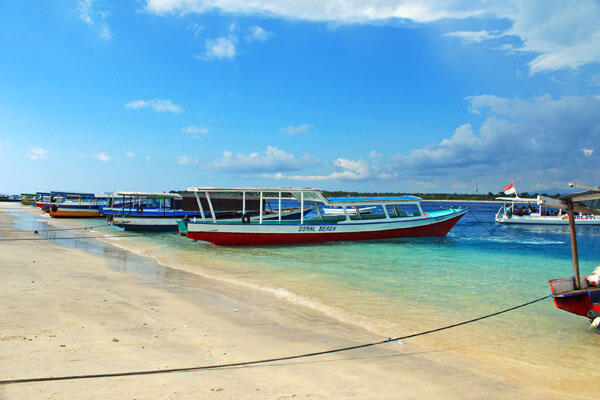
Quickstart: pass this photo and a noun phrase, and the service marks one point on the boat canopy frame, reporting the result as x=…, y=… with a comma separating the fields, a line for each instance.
x=302, y=195
x=587, y=202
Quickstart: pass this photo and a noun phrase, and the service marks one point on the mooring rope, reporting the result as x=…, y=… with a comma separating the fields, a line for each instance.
x=70, y=238
x=54, y=230
x=263, y=361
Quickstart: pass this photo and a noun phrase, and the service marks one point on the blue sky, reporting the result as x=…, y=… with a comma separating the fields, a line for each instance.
x=410, y=96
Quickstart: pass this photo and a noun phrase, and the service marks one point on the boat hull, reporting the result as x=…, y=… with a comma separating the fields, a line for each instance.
x=584, y=301
x=261, y=234
x=62, y=211
x=146, y=224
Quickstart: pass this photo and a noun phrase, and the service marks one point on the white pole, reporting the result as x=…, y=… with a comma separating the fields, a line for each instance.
x=212, y=211
x=243, y=203
x=279, y=217
x=260, y=215
x=200, y=206
x=301, y=208
x=385, y=211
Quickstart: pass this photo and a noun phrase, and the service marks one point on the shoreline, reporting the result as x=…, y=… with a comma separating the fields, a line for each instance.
x=250, y=324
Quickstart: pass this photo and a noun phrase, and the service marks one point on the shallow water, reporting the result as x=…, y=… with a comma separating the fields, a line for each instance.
x=398, y=287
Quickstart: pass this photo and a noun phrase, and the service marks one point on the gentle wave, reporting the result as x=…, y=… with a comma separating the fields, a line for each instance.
x=508, y=240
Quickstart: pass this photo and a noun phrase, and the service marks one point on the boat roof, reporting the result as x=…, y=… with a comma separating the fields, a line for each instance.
x=518, y=199
x=74, y=194
x=150, y=194
x=587, y=201
x=252, y=189
x=372, y=199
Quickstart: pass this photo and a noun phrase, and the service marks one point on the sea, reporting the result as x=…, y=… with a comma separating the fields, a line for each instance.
x=399, y=287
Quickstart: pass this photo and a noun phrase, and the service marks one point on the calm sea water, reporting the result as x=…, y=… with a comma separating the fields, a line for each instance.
x=403, y=286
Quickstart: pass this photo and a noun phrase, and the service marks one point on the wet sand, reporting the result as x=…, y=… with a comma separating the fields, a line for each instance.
x=69, y=312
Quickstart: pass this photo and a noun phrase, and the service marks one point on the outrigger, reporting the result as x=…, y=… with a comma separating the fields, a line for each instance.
x=577, y=294
x=372, y=218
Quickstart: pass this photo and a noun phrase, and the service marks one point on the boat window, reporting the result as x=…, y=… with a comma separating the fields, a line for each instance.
x=402, y=210
x=366, y=212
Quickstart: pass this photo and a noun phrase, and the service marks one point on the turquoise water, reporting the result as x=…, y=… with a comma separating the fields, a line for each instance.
x=399, y=287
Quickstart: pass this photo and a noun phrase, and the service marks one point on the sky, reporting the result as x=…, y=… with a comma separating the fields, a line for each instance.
x=357, y=95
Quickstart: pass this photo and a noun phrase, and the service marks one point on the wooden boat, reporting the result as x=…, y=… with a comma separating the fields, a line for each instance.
x=577, y=294
x=387, y=217
x=526, y=211
x=29, y=199
x=146, y=211
x=76, y=205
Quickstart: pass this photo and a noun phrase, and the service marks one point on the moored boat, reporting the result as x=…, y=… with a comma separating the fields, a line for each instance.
x=29, y=199
x=146, y=211
x=577, y=294
x=374, y=218
x=526, y=211
x=76, y=205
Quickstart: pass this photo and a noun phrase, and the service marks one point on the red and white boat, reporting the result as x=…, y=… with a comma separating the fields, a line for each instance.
x=363, y=218
x=577, y=294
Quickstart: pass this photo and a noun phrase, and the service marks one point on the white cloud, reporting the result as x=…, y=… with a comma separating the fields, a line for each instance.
x=471, y=37
x=258, y=34
x=535, y=139
x=273, y=159
x=196, y=131
x=94, y=17
x=130, y=154
x=562, y=34
x=102, y=157
x=341, y=11
x=37, y=153
x=374, y=155
x=296, y=130
x=558, y=34
x=185, y=160
x=196, y=29
x=147, y=158
x=157, y=105
x=223, y=47
x=347, y=170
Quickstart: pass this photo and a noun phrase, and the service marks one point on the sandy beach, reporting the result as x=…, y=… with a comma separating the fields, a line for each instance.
x=69, y=312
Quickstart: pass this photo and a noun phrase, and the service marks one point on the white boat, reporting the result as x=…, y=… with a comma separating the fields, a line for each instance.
x=390, y=217
x=533, y=211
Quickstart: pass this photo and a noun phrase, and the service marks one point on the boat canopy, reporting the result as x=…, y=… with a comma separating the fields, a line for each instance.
x=72, y=194
x=518, y=199
x=151, y=195
x=308, y=195
x=587, y=202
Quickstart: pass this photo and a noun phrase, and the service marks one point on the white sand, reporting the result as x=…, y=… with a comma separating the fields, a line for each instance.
x=67, y=312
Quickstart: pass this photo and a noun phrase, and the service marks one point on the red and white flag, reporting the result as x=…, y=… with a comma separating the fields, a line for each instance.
x=510, y=189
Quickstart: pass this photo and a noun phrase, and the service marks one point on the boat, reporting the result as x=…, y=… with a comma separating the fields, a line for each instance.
x=9, y=198
x=147, y=211
x=386, y=218
x=526, y=211
x=578, y=294
x=44, y=200
x=28, y=199
x=76, y=205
